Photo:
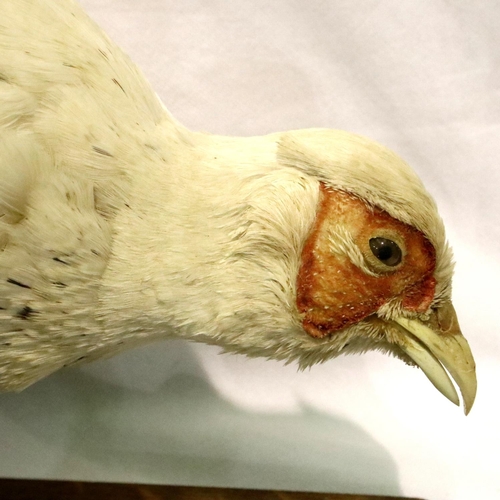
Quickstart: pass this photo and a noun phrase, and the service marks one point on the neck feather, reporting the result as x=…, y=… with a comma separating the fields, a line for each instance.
x=209, y=246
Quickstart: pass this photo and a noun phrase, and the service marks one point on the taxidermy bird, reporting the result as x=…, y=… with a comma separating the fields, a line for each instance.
x=118, y=226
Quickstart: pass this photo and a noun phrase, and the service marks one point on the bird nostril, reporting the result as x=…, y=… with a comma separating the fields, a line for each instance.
x=447, y=318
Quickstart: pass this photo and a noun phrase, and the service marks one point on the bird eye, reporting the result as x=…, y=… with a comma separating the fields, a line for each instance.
x=387, y=251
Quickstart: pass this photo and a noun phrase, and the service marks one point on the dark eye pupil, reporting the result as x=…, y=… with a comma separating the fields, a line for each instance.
x=387, y=251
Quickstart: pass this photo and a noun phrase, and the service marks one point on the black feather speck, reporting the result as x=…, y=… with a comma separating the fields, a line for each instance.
x=25, y=313
x=17, y=283
x=57, y=259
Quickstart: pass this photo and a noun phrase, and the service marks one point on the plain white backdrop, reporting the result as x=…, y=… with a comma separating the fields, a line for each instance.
x=421, y=77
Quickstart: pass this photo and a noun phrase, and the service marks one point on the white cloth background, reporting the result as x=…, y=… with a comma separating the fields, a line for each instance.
x=420, y=76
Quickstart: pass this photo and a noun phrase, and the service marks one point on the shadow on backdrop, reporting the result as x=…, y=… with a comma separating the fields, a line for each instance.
x=76, y=425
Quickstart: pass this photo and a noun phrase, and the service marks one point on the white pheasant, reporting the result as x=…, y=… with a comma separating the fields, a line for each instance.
x=119, y=226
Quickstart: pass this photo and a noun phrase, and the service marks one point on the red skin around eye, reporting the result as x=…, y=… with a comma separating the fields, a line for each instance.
x=333, y=293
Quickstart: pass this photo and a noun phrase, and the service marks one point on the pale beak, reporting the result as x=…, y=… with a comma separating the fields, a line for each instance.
x=438, y=345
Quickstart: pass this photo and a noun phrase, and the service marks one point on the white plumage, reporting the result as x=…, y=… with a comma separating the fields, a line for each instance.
x=119, y=226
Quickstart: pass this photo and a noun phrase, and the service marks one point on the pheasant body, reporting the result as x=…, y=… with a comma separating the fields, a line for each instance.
x=119, y=226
